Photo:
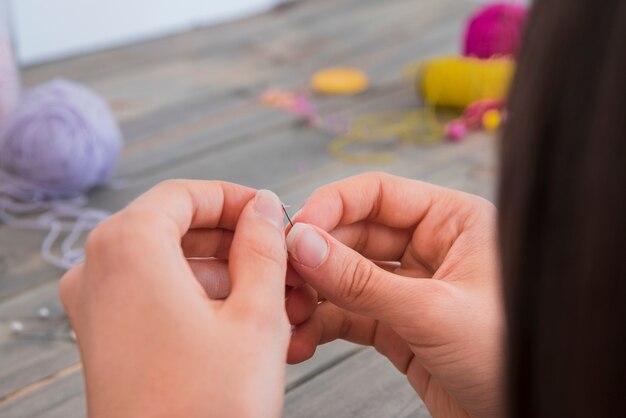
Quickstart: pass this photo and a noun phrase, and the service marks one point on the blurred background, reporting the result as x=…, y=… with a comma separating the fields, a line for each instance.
x=50, y=29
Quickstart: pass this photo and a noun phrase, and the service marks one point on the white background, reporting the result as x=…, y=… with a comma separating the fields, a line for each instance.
x=50, y=29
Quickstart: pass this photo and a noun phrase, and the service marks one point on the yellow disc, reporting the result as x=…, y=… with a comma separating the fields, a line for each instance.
x=339, y=81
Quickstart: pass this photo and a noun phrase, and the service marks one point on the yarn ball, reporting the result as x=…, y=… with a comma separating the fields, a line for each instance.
x=9, y=79
x=61, y=139
x=495, y=30
x=460, y=81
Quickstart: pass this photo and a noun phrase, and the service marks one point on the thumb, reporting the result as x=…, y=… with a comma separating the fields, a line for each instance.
x=258, y=260
x=350, y=280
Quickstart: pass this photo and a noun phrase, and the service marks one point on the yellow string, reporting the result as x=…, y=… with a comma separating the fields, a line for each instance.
x=448, y=81
x=416, y=126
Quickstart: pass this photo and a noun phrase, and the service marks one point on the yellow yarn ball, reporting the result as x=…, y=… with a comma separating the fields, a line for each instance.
x=460, y=81
x=492, y=120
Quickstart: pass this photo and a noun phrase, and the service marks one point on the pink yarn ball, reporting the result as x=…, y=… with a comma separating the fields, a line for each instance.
x=9, y=79
x=495, y=29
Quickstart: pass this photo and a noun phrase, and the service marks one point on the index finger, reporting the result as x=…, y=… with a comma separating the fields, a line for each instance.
x=190, y=204
x=378, y=197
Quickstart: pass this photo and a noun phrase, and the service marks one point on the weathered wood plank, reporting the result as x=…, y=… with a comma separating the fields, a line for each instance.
x=139, y=91
x=221, y=65
x=177, y=141
x=63, y=395
x=45, y=349
x=365, y=385
x=86, y=68
x=61, y=398
x=181, y=113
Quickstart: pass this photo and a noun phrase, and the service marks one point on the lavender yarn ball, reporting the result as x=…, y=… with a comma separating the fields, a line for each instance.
x=61, y=140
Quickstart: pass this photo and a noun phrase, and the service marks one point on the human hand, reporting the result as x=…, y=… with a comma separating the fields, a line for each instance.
x=430, y=302
x=152, y=340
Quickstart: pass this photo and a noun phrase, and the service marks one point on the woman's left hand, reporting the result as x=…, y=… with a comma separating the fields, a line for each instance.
x=152, y=339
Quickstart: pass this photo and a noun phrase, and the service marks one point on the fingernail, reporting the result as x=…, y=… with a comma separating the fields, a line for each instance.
x=295, y=215
x=306, y=245
x=268, y=206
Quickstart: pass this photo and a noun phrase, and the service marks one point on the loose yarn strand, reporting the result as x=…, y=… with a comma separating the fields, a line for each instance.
x=19, y=202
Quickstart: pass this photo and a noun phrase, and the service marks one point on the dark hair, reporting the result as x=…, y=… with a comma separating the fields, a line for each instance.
x=562, y=203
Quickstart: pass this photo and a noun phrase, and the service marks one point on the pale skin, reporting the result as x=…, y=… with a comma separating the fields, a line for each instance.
x=406, y=267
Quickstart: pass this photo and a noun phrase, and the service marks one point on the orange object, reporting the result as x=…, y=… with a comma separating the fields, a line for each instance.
x=339, y=81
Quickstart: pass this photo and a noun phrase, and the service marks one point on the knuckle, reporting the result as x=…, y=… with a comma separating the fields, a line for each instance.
x=346, y=326
x=357, y=279
x=103, y=238
x=308, y=352
x=134, y=220
x=362, y=239
x=123, y=235
x=481, y=210
x=99, y=238
x=137, y=215
x=324, y=193
x=482, y=203
x=377, y=178
x=376, y=175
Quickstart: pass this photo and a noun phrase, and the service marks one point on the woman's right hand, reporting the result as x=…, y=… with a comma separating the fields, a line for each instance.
x=430, y=302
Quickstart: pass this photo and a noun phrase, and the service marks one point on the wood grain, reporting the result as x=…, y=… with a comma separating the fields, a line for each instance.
x=61, y=394
x=365, y=385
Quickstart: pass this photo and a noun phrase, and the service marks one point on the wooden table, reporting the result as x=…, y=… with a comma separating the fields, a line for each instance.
x=189, y=108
